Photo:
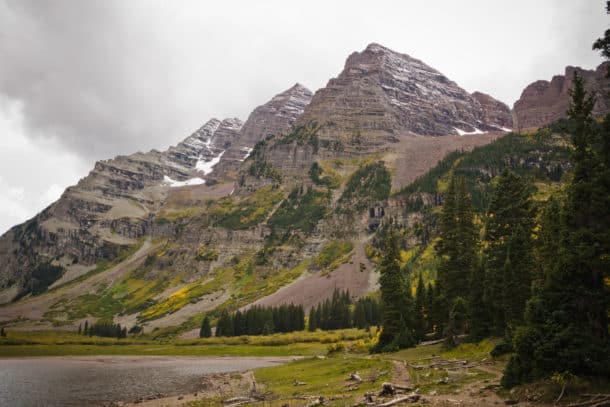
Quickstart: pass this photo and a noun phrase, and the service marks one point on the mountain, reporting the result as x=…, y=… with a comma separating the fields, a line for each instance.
x=115, y=204
x=387, y=94
x=283, y=207
x=543, y=102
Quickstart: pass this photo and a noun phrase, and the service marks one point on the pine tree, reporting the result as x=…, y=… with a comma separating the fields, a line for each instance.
x=510, y=210
x=457, y=248
x=566, y=327
x=206, y=329
x=86, y=331
x=2, y=332
x=80, y=329
x=420, y=309
x=478, y=317
x=397, y=326
x=457, y=321
x=360, y=315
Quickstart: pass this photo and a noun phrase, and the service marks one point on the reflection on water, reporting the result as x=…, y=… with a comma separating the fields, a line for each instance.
x=76, y=381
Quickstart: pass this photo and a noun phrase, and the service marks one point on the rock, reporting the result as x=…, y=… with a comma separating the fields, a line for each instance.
x=542, y=102
x=511, y=402
x=355, y=377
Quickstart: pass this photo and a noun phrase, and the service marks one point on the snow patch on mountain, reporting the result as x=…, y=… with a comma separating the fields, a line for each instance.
x=206, y=166
x=175, y=184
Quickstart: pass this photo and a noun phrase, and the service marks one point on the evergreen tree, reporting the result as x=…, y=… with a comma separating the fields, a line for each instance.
x=566, y=327
x=360, y=315
x=86, y=331
x=429, y=307
x=80, y=329
x=312, y=324
x=420, y=309
x=2, y=332
x=457, y=321
x=206, y=329
x=478, y=317
x=397, y=326
x=457, y=248
x=508, y=228
x=603, y=44
x=547, y=239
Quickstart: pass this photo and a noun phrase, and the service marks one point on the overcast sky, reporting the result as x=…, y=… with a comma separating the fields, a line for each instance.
x=86, y=80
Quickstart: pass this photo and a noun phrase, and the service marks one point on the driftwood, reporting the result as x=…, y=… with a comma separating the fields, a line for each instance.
x=411, y=398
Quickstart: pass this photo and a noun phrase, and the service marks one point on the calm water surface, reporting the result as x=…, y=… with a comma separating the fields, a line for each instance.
x=83, y=381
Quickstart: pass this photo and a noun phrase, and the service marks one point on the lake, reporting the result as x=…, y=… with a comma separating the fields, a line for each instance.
x=96, y=380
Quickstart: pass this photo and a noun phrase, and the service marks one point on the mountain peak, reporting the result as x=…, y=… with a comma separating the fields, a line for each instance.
x=297, y=87
x=383, y=94
x=376, y=48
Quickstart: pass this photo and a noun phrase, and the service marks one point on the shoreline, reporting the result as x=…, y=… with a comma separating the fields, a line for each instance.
x=149, y=358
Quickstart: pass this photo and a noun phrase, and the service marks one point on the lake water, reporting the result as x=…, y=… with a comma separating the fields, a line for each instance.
x=83, y=381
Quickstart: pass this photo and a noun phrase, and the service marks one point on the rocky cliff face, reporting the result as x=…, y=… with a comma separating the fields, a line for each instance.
x=276, y=117
x=112, y=206
x=543, y=102
x=387, y=94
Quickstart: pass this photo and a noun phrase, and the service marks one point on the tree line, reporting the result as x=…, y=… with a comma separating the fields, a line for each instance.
x=103, y=328
x=257, y=320
x=338, y=312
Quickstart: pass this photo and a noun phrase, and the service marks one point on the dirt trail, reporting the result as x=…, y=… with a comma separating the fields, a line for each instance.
x=400, y=374
x=34, y=308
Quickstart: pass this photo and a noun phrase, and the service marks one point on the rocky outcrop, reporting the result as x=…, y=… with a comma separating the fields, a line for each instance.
x=275, y=117
x=386, y=94
x=112, y=206
x=494, y=111
x=544, y=102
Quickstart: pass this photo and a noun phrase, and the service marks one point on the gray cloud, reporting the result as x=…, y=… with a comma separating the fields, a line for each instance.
x=108, y=77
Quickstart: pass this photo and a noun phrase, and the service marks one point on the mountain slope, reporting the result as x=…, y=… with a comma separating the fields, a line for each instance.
x=115, y=204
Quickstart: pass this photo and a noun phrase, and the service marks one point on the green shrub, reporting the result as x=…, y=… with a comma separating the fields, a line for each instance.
x=369, y=184
x=301, y=211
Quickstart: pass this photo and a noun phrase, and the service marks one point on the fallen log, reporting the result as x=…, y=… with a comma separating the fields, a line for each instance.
x=237, y=400
x=597, y=400
x=411, y=398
